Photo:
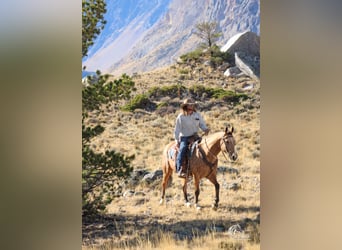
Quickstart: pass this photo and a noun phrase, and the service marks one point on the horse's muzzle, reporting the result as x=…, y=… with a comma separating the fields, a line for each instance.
x=234, y=156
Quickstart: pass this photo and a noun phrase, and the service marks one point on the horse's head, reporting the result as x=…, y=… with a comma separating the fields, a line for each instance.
x=228, y=144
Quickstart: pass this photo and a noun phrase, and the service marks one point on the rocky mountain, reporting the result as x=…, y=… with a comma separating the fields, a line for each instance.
x=143, y=35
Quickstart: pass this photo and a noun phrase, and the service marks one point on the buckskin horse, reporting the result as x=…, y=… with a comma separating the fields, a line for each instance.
x=202, y=163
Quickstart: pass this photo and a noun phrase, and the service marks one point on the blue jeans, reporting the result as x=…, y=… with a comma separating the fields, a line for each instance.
x=183, y=146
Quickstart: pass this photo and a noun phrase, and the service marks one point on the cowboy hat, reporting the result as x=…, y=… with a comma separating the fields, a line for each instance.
x=188, y=101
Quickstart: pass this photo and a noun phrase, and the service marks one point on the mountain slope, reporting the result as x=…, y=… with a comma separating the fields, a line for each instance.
x=127, y=22
x=154, y=35
x=135, y=215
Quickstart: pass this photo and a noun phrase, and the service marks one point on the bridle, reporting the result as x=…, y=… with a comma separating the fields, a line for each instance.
x=222, y=140
x=226, y=141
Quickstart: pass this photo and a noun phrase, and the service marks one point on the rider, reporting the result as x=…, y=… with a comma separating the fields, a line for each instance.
x=188, y=123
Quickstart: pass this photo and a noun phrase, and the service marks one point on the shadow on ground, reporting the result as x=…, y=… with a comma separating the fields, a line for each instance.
x=129, y=230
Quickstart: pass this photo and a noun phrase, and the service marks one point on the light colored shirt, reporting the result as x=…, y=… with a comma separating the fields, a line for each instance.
x=187, y=125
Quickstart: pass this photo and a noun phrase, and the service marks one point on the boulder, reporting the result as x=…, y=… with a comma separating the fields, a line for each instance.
x=223, y=67
x=235, y=229
x=248, y=64
x=128, y=193
x=247, y=42
x=232, y=71
x=179, y=60
x=150, y=177
x=246, y=49
x=136, y=177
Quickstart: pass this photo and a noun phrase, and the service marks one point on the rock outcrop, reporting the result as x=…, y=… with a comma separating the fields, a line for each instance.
x=247, y=42
x=248, y=65
x=246, y=50
x=232, y=71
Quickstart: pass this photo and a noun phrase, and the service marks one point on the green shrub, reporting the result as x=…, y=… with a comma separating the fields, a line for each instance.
x=198, y=90
x=139, y=101
x=162, y=104
x=101, y=178
x=170, y=90
x=183, y=71
x=216, y=61
x=218, y=57
x=102, y=173
x=228, y=96
x=217, y=93
x=103, y=92
x=193, y=55
x=226, y=57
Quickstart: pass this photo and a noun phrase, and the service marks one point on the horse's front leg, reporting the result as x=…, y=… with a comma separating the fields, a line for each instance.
x=217, y=195
x=197, y=192
x=217, y=192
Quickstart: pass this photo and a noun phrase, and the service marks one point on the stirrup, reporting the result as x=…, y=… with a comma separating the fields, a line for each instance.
x=181, y=174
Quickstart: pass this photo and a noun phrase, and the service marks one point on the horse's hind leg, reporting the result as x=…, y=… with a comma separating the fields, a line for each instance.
x=213, y=180
x=166, y=175
x=185, y=193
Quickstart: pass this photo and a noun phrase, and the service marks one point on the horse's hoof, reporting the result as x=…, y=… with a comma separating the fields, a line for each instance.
x=214, y=206
x=161, y=202
x=188, y=204
x=197, y=207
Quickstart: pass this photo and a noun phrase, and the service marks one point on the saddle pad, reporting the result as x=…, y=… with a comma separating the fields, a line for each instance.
x=171, y=153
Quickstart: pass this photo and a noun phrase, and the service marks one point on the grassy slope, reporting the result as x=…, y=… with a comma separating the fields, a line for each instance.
x=139, y=221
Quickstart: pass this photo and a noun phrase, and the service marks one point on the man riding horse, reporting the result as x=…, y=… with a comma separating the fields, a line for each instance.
x=187, y=125
x=203, y=163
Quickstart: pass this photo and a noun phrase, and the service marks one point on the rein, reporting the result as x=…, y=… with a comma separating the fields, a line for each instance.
x=211, y=165
x=206, y=160
x=205, y=140
x=224, y=154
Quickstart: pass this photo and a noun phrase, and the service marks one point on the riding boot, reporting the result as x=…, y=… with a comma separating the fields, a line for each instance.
x=182, y=170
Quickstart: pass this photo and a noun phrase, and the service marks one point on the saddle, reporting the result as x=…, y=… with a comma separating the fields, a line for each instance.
x=193, y=141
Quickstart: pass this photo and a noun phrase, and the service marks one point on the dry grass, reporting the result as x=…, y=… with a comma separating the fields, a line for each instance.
x=166, y=241
x=139, y=222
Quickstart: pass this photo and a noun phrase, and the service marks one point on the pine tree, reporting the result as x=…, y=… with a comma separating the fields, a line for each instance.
x=92, y=22
x=208, y=32
x=103, y=175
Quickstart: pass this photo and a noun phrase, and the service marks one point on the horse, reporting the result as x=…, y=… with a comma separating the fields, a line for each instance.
x=202, y=163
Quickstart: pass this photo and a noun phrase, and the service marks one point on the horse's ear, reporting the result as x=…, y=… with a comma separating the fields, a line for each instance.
x=232, y=130
x=226, y=131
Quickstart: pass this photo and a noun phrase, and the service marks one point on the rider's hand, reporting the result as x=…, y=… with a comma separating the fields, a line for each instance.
x=206, y=132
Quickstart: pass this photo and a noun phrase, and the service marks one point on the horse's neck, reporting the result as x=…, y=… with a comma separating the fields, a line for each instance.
x=213, y=144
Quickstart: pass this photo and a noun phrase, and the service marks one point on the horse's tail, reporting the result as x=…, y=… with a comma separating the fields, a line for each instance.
x=166, y=166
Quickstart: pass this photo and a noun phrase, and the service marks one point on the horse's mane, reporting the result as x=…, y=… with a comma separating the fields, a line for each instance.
x=212, y=137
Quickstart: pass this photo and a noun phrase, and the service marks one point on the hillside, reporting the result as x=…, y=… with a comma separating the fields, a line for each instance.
x=143, y=35
x=135, y=220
